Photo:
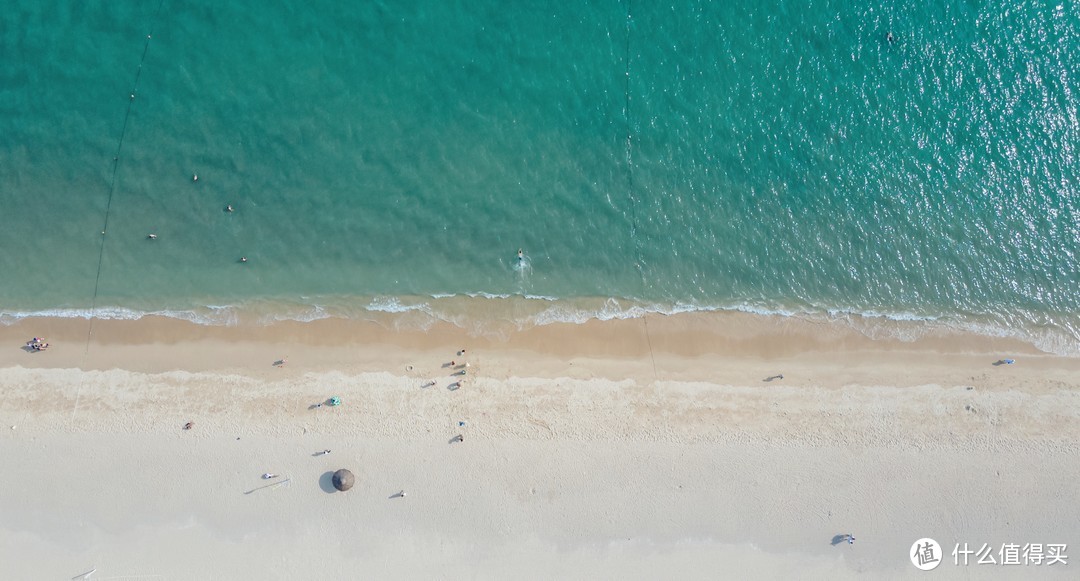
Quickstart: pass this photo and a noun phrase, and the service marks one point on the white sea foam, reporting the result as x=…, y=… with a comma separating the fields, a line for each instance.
x=209, y=315
x=395, y=305
x=502, y=316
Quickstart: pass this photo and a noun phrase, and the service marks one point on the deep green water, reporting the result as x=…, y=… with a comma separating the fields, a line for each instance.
x=775, y=156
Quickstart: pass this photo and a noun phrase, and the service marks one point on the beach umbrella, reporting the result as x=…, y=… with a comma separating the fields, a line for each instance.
x=343, y=480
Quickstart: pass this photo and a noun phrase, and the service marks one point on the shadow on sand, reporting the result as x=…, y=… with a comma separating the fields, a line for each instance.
x=274, y=484
x=326, y=483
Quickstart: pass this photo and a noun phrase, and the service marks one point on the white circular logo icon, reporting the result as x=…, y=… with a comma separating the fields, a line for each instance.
x=925, y=554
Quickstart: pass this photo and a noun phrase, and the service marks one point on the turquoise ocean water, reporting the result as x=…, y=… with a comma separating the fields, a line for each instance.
x=772, y=156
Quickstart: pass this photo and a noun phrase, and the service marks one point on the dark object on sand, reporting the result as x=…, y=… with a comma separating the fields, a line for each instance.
x=343, y=480
x=189, y=425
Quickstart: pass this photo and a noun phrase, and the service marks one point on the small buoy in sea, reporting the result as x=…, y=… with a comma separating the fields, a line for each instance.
x=195, y=177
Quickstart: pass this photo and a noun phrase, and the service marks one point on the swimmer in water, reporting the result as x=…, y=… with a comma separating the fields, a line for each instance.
x=195, y=177
x=243, y=259
x=521, y=255
x=152, y=236
x=229, y=208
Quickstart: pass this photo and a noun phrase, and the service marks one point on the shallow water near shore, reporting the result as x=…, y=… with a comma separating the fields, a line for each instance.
x=781, y=158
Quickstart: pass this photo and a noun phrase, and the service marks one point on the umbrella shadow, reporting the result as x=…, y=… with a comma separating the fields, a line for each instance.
x=838, y=539
x=326, y=483
x=328, y=402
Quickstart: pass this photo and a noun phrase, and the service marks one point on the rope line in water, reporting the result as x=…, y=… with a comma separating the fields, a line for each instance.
x=112, y=191
x=630, y=182
x=115, y=171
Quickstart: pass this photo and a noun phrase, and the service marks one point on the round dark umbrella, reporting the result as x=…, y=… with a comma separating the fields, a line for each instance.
x=343, y=480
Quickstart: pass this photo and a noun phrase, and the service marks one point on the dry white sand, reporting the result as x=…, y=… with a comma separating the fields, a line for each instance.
x=583, y=457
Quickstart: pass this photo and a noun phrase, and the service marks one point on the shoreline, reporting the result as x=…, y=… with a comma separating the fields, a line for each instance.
x=500, y=317
x=692, y=346
x=630, y=448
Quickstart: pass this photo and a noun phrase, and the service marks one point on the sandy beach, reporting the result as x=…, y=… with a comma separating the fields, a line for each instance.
x=665, y=447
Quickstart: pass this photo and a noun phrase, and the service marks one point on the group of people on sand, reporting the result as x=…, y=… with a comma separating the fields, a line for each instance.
x=37, y=344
